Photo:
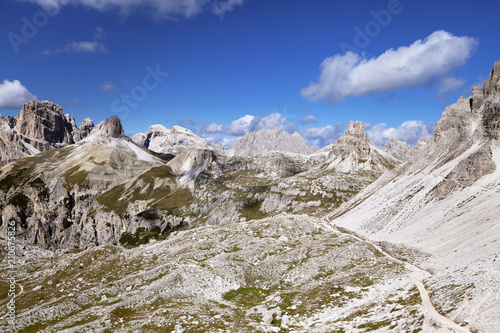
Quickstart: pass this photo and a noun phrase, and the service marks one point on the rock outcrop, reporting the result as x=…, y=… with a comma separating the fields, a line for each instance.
x=40, y=126
x=169, y=141
x=111, y=127
x=270, y=140
x=491, y=114
x=354, y=151
x=218, y=148
x=45, y=124
x=399, y=149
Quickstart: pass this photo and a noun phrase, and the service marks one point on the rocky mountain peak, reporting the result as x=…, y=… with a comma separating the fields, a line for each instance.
x=113, y=127
x=357, y=130
x=40, y=126
x=169, y=141
x=455, y=123
x=475, y=117
x=491, y=106
x=491, y=85
x=86, y=126
x=270, y=140
x=44, y=121
x=356, y=151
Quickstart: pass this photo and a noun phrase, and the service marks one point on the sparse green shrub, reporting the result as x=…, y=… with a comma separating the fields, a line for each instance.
x=246, y=296
x=143, y=235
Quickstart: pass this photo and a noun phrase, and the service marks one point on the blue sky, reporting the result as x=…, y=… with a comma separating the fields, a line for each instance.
x=222, y=67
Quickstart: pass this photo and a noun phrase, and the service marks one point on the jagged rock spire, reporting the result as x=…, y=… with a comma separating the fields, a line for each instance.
x=114, y=127
x=357, y=130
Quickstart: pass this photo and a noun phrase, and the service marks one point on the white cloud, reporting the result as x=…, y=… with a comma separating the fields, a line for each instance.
x=410, y=132
x=13, y=94
x=323, y=136
x=310, y=119
x=171, y=9
x=250, y=123
x=239, y=126
x=406, y=67
x=220, y=8
x=209, y=127
x=108, y=87
x=271, y=121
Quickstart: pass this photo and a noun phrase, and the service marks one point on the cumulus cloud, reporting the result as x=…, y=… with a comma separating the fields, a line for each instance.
x=170, y=9
x=108, y=87
x=410, y=132
x=352, y=75
x=239, y=126
x=209, y=127
x=250, y=123
x=323, y=136
x=13, y=94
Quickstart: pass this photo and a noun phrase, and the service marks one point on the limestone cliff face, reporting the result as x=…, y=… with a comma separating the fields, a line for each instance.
x=491, y=113
x=45, y=123
x=40, y=126
x=270, y=140
x=112, y=127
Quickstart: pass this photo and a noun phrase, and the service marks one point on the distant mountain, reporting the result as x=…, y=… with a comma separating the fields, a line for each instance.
x=270, y=140
x=169, y=141
x=354, y=151
x=399, y=149
x=40, y=126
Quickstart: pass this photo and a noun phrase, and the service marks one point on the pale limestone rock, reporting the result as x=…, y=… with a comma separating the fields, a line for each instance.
x=169, y=141
x=399, y=149
x=40, y=126
x=270, y=140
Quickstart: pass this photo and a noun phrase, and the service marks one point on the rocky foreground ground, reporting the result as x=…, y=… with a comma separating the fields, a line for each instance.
x=280, y=274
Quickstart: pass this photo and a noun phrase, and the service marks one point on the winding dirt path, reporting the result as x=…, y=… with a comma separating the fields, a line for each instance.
x=417, y=275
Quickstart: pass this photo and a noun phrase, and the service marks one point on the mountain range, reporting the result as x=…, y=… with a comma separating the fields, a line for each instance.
x=162, y=232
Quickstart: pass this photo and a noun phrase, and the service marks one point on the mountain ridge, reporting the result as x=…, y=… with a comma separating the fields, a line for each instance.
x=270, y=140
